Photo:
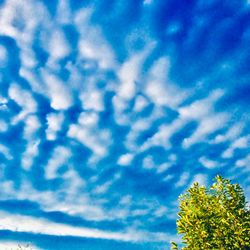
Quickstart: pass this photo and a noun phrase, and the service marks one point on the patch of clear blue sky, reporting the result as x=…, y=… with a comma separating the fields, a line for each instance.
x=110, y=109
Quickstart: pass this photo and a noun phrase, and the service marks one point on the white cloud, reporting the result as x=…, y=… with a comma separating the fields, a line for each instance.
x=22, y=12
x=183, y=180
x=21, y=223
x=201, y=108
x=3, y=101
x=92, y=44
x=34, y=80
x=161, y=211
x=18, y=20
x=24, y=99
x=63, y=12
x=27, y=57
x=7, y=187
x=207, y=163
x=6, y=152
x=203, y=112
x=58, y=46
x=162, y=136
x=125, y=159
x=7, y=16
x=163, y=167
x=120, y=105
x=3, y=56
x=240, y=143
x=54, y=121
x=59, y=93
x=88, y=211
x=172, y=157
x=138, y=126
x=99, y=51
x=59, y=157
x=139, y=212
x=232, y=133
x=140, y=103
x=101, y=189
x=126, y=200
x=32, y=124
x=88, y=133
x=228, y=153
x=168, y=177
x=160, y=89
x=166, y=165
x=148, y=162
x=206, y=126
x=73, y=205
x=244, y=162
x=129, y=74
x=73, y=182
x=3, y=126
x=92, y=100
x=98, y=140
x=66, y=199
x=30, y=153
x=88, y=119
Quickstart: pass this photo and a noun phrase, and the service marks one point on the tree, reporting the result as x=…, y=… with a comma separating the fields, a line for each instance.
x=214, y=218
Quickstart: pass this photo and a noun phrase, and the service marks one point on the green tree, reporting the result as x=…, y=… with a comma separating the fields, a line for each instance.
x=214, y=218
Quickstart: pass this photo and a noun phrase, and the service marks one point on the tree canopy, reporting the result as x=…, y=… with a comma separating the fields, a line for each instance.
x=214, y=218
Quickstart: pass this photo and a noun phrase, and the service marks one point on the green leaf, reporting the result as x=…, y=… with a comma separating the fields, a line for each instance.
x=214, y=218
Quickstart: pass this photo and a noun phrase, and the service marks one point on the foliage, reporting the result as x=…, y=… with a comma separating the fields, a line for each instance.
x=215, y=218
x=25, y=247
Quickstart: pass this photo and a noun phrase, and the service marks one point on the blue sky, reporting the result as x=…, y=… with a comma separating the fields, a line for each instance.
x=109, y=110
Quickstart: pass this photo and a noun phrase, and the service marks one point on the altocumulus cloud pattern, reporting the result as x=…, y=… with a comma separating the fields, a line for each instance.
x=110, y=109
